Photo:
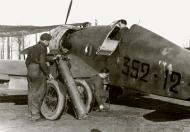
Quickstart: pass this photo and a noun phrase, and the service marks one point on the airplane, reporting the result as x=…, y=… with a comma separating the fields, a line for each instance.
x=136, y=57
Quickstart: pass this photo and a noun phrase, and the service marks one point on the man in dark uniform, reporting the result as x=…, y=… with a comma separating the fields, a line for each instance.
x=37, y=73
x=99, y=83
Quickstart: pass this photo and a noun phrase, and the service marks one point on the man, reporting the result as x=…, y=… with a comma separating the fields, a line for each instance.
x=99, y=83
x=37, y=73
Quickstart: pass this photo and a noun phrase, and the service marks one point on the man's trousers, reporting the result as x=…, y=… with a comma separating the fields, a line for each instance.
x=36, y=89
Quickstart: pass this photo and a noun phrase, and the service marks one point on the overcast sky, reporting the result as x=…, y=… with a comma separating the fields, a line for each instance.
x=169, y=18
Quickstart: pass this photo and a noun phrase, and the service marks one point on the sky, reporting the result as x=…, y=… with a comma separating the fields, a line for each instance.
x=168, y=18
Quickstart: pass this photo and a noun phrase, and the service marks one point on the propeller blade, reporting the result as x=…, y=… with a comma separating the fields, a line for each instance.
x=68, y=12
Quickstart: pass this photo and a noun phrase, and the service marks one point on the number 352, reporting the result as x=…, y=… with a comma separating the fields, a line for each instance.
x=135, y=69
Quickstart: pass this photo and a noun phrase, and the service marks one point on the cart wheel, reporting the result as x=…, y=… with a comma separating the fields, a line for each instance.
x=85, y=92
x=54, y=101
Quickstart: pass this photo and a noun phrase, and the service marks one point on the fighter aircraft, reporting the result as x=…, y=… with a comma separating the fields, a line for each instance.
x=136, y=58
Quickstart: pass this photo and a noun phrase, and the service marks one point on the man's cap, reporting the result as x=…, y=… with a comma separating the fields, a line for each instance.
x=45, y=36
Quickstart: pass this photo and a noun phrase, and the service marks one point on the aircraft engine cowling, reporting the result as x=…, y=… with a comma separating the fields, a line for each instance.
x=59, y=38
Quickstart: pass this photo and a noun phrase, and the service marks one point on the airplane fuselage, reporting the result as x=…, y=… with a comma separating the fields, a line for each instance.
x=143, y=60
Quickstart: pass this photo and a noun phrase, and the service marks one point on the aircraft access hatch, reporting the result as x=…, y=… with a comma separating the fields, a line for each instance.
x=110, y=43
x=108, y=47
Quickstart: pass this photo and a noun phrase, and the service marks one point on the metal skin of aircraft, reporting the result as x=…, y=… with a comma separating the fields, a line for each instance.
x=141, y=60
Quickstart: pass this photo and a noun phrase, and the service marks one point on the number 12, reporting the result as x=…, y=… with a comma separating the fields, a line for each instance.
x=174, y=79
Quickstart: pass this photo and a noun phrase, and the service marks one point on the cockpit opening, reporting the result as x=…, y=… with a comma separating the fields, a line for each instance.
x=111, y=42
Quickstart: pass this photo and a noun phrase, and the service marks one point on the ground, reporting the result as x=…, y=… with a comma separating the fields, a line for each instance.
x=134, y=113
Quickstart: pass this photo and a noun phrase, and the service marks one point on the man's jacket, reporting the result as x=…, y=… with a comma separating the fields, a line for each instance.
x=37, y=54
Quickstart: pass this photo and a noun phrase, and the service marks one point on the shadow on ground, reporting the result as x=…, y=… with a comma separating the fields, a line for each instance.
x=162, y=111
x=16, y=99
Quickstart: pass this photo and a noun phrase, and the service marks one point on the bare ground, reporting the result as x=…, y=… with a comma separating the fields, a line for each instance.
x=134, y=113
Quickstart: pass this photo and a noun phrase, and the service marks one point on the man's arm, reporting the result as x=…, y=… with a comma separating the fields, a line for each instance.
x=42, y=61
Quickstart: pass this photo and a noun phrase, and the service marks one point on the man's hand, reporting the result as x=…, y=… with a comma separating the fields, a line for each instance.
x=64, y=50
x=50, y=77
x=57, y=56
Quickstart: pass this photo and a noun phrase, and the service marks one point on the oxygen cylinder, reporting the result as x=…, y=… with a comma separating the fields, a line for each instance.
x=77, y=102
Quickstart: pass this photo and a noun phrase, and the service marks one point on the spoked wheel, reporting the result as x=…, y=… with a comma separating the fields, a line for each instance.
x=85, y=92
x=54, y=101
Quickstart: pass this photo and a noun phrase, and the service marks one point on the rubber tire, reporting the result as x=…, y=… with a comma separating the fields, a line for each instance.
x=88, y=91
x=60, y=105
